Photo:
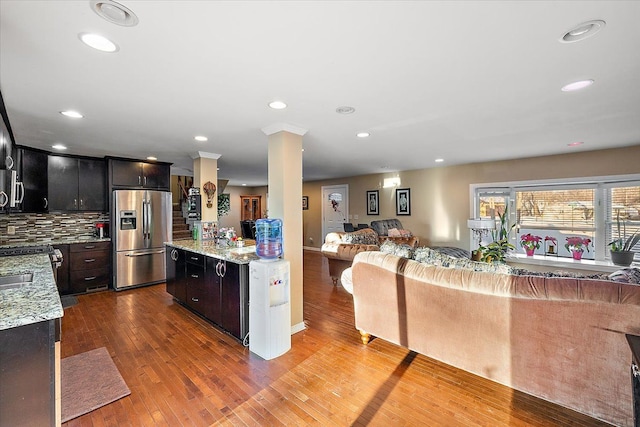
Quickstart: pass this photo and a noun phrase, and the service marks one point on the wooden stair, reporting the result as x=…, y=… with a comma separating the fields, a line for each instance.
x=180, y=226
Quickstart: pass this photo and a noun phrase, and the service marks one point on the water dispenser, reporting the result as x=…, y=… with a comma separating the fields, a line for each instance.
x=269, y=238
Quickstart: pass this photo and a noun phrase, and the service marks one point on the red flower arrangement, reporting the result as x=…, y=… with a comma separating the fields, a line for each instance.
x=529, y=241
x=577, y=244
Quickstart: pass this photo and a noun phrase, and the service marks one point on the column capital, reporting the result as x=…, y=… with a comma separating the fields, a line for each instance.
x=287, y=127
x=205, y=155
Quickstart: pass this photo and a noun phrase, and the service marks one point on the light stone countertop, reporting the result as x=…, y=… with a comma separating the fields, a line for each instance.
x=69, y=241
x=243, y=255
x=34, y=302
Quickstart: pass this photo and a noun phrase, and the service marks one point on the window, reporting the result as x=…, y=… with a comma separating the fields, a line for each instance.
x=602, y=211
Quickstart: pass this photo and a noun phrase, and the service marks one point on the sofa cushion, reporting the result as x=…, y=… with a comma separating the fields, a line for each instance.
x=453, y=251
x=361, y=237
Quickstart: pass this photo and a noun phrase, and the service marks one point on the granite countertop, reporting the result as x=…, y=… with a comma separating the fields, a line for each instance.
x=243, y=255
x=68, y=241
x=32, y=303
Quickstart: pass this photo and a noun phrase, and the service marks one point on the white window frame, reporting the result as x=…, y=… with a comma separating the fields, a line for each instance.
x=600, y=183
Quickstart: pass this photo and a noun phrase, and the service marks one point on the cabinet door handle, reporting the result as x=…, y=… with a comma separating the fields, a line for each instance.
x=195, y=299
x=75, y=203
x=195, y=258
x=174, y=255
x=90, y=260
x=87, y=279
x=46, y=203
x=195, y=276
x=90, y=246
x=139, y=180
x=145, y=180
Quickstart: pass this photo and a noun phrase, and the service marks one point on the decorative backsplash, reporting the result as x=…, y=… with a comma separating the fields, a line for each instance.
x=43, y=228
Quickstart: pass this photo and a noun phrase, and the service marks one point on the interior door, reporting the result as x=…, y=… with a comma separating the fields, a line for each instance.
x=335, y=208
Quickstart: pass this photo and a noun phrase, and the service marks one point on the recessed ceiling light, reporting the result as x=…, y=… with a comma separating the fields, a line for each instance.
x=152, y=158
x=59, y=147
x=345, y=110
x=439, y=160
x=362, y=134
x=98, y=42
x=72, y=114
x=201, y=138
x=244, y=185
x=277, y=105
x=575, y=144
x=114, y=12
x=577, y=85
x=582, y=31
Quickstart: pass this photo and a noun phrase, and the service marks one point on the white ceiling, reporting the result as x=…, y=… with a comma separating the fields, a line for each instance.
x=466, y=81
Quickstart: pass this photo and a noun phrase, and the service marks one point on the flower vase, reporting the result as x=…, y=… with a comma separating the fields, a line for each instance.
x=577, y=255
x=529, y=252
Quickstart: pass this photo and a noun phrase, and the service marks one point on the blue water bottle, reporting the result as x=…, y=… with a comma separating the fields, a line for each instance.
x=269, y=238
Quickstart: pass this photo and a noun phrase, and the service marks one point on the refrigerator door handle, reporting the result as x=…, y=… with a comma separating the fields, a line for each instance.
x=136, y=254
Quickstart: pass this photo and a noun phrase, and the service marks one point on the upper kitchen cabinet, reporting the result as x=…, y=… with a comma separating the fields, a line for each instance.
x=77, y=184
x=136, y=174
x=32, y=166
x=6, y=159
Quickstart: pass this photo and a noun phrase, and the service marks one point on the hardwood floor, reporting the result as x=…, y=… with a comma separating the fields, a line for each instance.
x=182, y=371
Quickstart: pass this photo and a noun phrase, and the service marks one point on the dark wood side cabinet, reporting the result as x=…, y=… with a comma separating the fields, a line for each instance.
x=85, y=267
x=124, y=173
x=77, y=184
x=216, y=289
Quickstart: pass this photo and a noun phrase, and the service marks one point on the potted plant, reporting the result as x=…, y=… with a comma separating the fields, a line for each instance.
x=530, y=243
x=622, y=250
x=577, y=245
x=496, y=251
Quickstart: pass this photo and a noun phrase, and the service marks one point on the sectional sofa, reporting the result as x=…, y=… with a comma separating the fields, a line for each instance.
x=555, y=337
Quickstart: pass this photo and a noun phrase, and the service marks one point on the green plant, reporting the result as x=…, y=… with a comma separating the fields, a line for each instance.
x=496, y=251
x=620, y=244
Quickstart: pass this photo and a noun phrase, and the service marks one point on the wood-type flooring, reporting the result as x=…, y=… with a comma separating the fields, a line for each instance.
x=182, y=371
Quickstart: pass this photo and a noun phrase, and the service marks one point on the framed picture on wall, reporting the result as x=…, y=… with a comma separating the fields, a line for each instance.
x=372, y=203
x=403, y=201
x=305, y=203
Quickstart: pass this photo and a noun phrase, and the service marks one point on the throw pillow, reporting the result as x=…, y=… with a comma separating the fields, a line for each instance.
x=361, y=237
x=393, y=232
x=626, y=275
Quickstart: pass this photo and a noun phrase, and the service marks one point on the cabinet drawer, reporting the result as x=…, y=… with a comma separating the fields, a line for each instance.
x=90, y=246
x=83, y=280
x=196, y=259
x=88, y=260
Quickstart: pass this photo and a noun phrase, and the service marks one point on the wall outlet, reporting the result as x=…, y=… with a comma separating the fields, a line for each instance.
x=11, y=230
x=355, y=217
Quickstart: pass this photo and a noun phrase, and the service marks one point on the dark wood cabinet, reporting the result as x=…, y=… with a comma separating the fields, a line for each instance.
x=62, y=279
x=136, y=174
x=6, y=164
x=32, y=166
x=176, y=273
x=214, y=288
x=76, y=184
x=85, y=267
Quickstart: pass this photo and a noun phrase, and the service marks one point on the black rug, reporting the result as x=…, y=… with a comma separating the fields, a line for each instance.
x=68, y=301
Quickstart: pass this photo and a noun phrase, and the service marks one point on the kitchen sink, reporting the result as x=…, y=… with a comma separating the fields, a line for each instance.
x=15, y=280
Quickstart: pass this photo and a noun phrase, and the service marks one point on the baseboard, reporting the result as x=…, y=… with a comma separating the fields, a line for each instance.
x=298, y=328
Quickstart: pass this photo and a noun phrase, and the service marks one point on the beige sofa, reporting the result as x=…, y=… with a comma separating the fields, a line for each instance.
x=561, y=339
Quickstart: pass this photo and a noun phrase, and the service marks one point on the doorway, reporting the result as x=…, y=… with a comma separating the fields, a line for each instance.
x=335, y=208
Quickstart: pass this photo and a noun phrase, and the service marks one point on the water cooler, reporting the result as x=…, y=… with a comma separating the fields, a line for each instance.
x=269, y=293
x=269, y=308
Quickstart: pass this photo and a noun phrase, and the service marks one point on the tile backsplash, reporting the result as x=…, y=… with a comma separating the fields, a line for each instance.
x=49, y=227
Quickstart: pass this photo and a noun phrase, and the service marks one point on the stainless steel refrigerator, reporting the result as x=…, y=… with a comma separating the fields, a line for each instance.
x=141, y=223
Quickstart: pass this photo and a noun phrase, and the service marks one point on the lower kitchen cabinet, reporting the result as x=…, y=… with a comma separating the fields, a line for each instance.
x=214, y=288
x=176, y=273
x=85, y=267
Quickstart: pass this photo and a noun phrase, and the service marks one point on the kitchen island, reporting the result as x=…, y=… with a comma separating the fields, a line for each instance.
x=212, y=281
x=30, y=315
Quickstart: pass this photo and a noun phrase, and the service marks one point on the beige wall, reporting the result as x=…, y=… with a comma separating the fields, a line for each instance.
x=440, y=196
x=233, y=219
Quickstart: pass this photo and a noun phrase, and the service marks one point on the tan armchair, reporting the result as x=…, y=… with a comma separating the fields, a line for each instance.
x=340, y=248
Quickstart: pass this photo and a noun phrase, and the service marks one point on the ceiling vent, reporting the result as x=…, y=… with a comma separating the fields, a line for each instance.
x=114, y=12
